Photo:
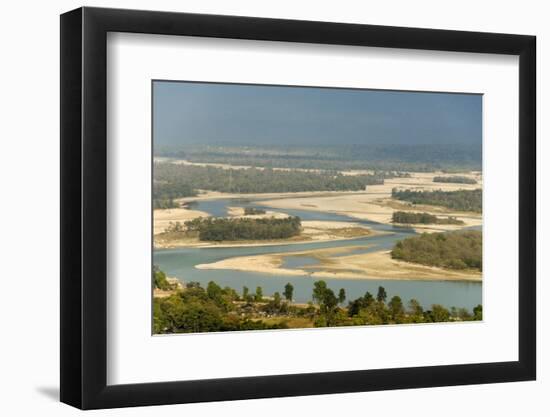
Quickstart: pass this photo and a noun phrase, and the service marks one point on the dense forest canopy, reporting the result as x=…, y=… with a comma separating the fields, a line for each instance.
x=383, y=157
x=463, y=200
x=223, y=229
x=172, y=181
x=455, y=179
x=455, y=250
x=408, y=217
x=198, y=309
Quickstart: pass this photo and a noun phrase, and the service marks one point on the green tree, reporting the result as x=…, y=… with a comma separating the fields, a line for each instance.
x=415, y=309
x=375, y=313
x=159, y=279
x=289, y=291
x=200, y=317
x=439, y=313
x=277, y=299
x=478, y=312
x=319, y=289
x=259, y=294
x=381, y=296
x=341, y=295
x=324, y=296
x=355, y=306
x=396, y=308
x=369, y=299
x=245, y=293
x=214, y=291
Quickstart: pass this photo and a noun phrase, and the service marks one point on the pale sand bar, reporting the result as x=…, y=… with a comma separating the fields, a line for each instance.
x=373, y=265
x=163, y=217
x=376, y=204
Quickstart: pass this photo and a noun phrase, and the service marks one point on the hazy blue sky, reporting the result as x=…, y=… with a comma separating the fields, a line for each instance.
x=248, y=114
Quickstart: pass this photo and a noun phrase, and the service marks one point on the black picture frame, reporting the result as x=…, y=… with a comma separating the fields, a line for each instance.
x=84, y=207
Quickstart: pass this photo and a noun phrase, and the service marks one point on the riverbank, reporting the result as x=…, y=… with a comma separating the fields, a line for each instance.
x=372, y=265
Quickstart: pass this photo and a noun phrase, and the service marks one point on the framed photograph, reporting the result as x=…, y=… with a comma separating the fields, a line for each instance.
x=258, y=208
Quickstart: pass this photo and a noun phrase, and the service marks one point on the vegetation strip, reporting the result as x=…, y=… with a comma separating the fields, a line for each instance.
x=406, y=217
x=463, y=200
x=455, y=180
x=197, y=309
x=174, y=181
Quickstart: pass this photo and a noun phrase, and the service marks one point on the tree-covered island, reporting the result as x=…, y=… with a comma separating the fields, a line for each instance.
x=453, y=250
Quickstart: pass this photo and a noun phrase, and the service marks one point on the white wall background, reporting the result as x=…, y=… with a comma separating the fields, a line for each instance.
x=29, y=177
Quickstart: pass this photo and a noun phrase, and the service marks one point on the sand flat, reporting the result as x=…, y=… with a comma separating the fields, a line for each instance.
x=373, y=265
x=163, y=217
x=376, y=203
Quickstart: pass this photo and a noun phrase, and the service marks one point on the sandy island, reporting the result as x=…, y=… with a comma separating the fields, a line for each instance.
x=373, y=265
x=312, y=231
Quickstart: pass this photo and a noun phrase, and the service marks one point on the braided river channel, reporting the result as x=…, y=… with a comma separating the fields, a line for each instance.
x=181, y=262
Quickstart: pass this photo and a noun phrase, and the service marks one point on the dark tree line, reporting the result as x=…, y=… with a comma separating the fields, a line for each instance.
x=407, y=217
x=220, y=229
x=178, y=180
x=455, y=250
x=164, y=203
x=455, y=180
x=463, y=200
x=170, y=188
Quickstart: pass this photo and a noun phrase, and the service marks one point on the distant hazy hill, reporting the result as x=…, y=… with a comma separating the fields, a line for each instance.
x=449, y=157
